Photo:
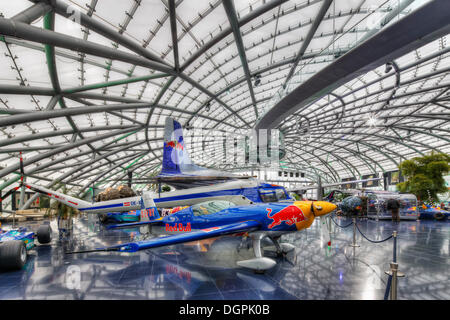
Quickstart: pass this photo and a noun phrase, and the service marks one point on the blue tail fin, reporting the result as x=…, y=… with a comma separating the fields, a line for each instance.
x=174, y=148
x=329, y=197
x=176, y=159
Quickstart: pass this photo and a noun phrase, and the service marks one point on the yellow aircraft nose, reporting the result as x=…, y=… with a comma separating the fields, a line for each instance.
x=323, y=207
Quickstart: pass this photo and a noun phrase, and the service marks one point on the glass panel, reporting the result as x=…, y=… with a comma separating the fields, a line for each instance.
x=210, y=207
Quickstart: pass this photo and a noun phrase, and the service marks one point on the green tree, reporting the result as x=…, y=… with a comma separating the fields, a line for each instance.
x=165, y=188
x=425, y=176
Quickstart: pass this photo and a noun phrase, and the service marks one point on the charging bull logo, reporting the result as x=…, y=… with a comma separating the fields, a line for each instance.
x=290, y=215
x=175, y=145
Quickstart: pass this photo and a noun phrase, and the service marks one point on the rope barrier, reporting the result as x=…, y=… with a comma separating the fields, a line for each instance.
x=339, y=224
x=391, y=286
x=373, y=241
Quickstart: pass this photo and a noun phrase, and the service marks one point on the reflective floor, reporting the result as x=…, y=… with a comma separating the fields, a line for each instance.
x=207, y=269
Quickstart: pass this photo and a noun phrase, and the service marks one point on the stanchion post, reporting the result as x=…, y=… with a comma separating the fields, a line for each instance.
x=394, y=250
x=394, y=256
x=354, y=245
x=394, y=269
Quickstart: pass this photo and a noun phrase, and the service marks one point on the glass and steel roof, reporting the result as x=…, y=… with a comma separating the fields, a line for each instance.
x=86, y=85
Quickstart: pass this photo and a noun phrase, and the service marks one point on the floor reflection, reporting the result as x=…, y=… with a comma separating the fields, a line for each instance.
x=207, y=269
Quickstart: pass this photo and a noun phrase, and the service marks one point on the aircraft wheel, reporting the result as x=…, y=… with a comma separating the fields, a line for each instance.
x=44, y=234
x=13, y=254
x=103, y=217
x=439, y=216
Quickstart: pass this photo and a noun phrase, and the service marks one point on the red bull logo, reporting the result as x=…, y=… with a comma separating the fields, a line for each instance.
x=147, y=213
x=175, y=145
x=290, y=215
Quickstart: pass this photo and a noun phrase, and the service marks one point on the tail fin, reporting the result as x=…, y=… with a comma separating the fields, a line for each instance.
x=330, y=196
x=176, y=158
x=149, y=212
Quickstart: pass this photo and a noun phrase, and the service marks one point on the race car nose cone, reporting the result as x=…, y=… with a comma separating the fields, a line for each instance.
x=323, y=207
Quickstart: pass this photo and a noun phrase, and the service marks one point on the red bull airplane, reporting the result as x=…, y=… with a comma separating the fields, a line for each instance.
x=207, y=219
x=216, y=218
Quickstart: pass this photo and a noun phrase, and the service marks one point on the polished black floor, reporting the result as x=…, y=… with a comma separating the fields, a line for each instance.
x=207, y=269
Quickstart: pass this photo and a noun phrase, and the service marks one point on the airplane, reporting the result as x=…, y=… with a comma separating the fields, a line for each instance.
x=205, y=220
x=215, y=218
x=320, y=186
x=196, y=184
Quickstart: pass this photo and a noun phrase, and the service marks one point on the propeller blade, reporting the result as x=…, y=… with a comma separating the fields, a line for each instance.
x=325, y=230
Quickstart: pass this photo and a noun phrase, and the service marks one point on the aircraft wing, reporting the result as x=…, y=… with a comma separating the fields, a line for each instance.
x=200, y=234
x=184, y=181
x=133, y=224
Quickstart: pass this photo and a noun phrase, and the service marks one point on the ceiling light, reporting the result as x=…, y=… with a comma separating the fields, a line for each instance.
x=257, y=80
x=372, y=121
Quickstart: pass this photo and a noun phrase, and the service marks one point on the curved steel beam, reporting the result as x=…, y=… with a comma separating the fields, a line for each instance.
x=67, y=11
x=317, y=20
x=27, y=32
x=388, y=44
x=48, y=154
x=249, y=17
x=32, y=13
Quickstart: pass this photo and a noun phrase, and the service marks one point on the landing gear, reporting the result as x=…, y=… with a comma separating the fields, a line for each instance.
x=259, y=264
x=103, y=217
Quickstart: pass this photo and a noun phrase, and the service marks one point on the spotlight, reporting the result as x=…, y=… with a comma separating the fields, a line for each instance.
x=372, y=121
x=388, y=67
x=257, y=80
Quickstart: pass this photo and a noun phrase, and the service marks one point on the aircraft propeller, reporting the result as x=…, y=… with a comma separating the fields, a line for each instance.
x=325, y=229
x=324, y=224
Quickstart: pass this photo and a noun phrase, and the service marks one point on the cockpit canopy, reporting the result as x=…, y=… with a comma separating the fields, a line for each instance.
x=272, y=194
x=209, y=207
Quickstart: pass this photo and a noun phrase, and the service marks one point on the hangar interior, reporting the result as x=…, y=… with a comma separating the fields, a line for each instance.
x=353, y=88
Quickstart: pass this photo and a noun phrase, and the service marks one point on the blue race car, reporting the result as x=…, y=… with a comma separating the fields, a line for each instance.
x=15, y=243
x=129, y=216
x=427, y=211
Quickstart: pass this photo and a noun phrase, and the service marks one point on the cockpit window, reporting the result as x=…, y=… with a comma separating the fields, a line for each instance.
x=280, y=194
x=209, y=207
x=272, y=195
x=268, y=196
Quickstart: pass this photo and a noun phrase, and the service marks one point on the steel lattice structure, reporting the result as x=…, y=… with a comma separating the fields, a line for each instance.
x=86, y=86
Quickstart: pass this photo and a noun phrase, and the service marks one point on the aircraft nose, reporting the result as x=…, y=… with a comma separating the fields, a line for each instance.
x=323, y=207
